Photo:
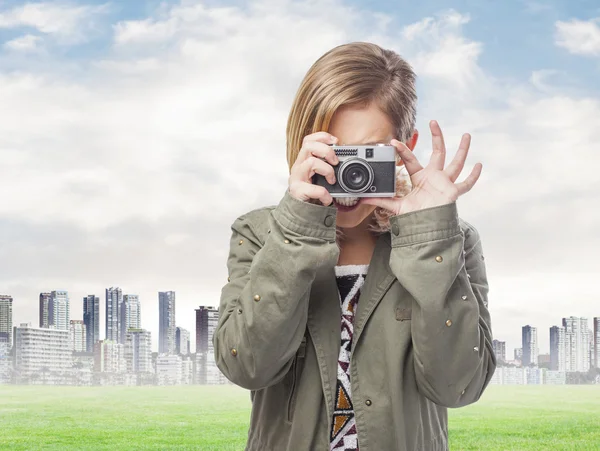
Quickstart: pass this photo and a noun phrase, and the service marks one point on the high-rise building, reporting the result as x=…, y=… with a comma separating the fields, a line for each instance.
x=46, y=317
x=5, y=360
x=519, y=354
x=577, y=343
x=596, y=333
x=530, y=346
x=114, y=298
x=591, y=348
x=6, y=319
x=109, y=357
x=58, y=309
x=557, y=349
x=130, y=316
x=91, y=319
x=77, y=335
x=544, y=361
x=169, y=369
x=166, y=322
x=207, y=371
x=499, y=350
x=138, y=351
x=182, y=341
x=42, y=354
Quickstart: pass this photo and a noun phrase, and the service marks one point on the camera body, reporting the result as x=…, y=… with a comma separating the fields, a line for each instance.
x=363, y=171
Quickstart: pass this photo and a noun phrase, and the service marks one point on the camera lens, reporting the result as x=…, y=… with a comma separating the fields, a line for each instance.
x=356, y=176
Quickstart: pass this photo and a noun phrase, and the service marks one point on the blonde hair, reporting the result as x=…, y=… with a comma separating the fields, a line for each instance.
x=356, y=74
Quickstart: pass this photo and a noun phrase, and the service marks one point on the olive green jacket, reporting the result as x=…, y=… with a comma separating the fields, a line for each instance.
x=422, y=332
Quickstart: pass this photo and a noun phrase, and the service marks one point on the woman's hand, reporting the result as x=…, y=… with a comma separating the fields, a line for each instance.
x=432, y=185
x=315, y=157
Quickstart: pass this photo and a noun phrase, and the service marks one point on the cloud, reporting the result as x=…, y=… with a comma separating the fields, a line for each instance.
x=581, y=37
x=439, y=49
x=539, y=78
x=26, y=43
x=66, y=22
x=128, y=168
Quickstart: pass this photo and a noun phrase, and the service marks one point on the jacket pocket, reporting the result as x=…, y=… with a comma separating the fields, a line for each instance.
x=296, y=371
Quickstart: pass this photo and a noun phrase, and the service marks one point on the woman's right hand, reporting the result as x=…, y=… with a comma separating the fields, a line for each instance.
x=315, y=157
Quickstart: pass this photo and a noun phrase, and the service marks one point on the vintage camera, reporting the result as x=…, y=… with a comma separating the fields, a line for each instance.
x=363, y=171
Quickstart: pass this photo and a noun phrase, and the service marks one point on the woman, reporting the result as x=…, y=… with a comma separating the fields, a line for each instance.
x=356, y=324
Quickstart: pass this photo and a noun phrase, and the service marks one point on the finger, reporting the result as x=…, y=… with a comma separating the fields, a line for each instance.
x=305, y=191
x=458, y=162
x=317, y=149
x=409, y=159
x=466, y=185
x=322, y=137
x=312, y=166
x=438, y=156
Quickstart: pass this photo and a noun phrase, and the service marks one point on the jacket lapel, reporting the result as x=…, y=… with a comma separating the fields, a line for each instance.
x=378, y=281
x=324, y=323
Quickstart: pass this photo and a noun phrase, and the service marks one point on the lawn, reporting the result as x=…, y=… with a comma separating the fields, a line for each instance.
x=216, y=418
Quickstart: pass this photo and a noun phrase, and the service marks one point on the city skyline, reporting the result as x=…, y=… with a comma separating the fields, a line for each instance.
x=49, y=353
x=58, y=355
x=592, y=321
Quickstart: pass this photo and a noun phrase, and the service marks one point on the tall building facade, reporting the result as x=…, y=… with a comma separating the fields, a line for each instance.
x=182, y=341
x=166, y=322
x=138, y=351
x=109, y=357
x=59, y=310
x=5, y=360
x=91, y=320
x=169, y=369
x=499, y=350
x=577, y=344
x=130, y=316
x=596, y=333
x=77, y=335
x=530, y=345
x=42, y=354
x=6, y=319
x=114, y=298
x=519, y=354
x=558, y=360
x=207, y=371
x=46, y=317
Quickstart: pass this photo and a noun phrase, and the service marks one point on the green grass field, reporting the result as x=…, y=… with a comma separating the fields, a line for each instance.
x=216, y=418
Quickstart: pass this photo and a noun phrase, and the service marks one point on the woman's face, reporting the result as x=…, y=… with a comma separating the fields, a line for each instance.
x=356, y=126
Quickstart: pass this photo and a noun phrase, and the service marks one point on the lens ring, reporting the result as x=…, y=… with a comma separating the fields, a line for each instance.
x=348, y=165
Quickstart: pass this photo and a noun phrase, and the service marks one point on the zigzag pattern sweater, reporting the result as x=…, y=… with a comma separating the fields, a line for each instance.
x=344, y=436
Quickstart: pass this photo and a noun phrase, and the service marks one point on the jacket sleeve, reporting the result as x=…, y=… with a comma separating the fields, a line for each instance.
x=442, y=267
x=263, y=309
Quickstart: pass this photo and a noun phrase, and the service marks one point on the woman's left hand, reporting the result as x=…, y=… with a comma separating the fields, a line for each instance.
x=432, y=185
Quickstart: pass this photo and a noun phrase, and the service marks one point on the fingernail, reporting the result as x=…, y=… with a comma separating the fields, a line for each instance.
x=333, y=139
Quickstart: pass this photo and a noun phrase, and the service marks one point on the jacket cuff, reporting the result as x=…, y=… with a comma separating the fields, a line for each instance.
x=428, y=224
x=306, y=219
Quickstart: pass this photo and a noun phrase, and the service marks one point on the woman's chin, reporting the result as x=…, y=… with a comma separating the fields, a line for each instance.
x=349, y=218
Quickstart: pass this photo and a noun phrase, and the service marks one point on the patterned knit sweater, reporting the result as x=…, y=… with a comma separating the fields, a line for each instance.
x=344, y=436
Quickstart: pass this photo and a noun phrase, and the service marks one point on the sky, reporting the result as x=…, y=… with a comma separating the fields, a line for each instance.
x=132, y=134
